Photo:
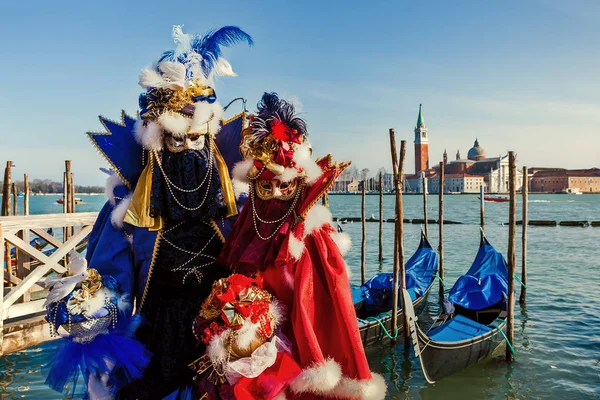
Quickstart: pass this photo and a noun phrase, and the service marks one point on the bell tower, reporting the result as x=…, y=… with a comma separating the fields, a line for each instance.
x=421, y=145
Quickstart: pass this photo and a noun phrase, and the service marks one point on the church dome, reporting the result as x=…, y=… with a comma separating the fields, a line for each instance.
x=476, y=152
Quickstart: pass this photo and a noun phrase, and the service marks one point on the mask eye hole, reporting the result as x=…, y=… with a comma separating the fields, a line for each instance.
x=265, y=185
x=284, y=185
x=194, y=138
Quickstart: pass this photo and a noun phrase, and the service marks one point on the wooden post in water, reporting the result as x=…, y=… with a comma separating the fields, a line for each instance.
x=15, y=196
x=380, y=217
x=396, y=270
x=481, y=206
x=325, y=200
x=525, y=193
x=24, y=260
x=512, y=229
x=441, y=226
x=5, y=212
x=363, y=244
x=26, y=195
x=66, y=197
x=401, y=240
x=424, y=185
x=6, y=190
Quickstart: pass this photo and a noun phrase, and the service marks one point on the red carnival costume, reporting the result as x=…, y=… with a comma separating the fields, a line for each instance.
x=283, y=234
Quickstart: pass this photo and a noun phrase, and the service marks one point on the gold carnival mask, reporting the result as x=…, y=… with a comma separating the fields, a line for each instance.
x=275, y=189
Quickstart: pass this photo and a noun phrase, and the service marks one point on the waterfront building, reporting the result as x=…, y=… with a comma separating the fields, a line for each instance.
x=560, y=180
x=457, y=183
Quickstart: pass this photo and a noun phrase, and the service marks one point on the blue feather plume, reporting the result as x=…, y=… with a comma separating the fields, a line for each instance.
x=209, y=47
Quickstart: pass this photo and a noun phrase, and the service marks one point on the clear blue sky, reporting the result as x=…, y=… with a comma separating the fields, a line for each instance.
x=519, y=75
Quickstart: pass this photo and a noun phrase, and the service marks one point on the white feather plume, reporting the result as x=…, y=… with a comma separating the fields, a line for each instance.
x=224, y=68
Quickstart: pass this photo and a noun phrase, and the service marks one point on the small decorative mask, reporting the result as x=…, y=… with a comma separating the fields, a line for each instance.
x=275, y=189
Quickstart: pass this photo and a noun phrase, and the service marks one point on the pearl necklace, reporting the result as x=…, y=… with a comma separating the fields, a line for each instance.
x=208, y=176
x=256, y=217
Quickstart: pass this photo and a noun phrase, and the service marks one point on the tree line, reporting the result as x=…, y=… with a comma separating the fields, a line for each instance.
x=48, y=186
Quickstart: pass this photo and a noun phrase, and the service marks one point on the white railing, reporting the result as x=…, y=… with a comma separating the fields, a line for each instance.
x=32, y=265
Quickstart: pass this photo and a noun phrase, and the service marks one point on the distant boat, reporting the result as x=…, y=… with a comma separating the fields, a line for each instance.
x=495, y=198
x=473, y=323
x=77, y=201
x=572, y=191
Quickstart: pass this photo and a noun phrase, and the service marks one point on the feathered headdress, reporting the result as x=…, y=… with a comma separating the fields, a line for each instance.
x=276, y=146
x=179, y=97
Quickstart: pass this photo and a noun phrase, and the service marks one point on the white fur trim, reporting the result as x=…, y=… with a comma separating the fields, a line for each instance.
x=372, y=389
x=318, y=379
x=278, y=310
x=289, y=174
x=316, y=217
x=148, y=135
x=246, y=334
x=239, y=188
x=111, y=184
x=302, y=157
x=296, y=247
x=174, y=123
x=124, y=303
x=216, y=348
x=241, y=169
x=280, y=396
x=118, y=214
x=207, y=113
x=343, y=241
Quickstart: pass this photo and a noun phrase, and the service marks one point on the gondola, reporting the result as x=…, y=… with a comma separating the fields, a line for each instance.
x=473, y=323
x=373, y=300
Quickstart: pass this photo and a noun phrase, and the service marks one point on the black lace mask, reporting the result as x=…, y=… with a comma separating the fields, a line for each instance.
x=180, y=185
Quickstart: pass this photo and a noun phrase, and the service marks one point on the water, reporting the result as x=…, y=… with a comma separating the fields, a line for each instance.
x=556, y=335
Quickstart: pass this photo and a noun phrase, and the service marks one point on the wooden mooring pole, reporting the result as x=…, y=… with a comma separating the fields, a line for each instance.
x=26, y=194
x=441, y=227
x=481, y=206
x=380, y=217
x=525, y=194
x=325, y=200
x=401, y=241
x=424, y=185
x=363, y=243
x=6, y=190
x=512, y=229
x=396, y=271
x=15, y=196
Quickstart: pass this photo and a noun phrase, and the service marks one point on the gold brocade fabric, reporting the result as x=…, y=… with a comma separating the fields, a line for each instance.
x=138, y=213
x=226, y=187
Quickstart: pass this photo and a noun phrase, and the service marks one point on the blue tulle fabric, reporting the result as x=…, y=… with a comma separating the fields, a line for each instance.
x=115, y=352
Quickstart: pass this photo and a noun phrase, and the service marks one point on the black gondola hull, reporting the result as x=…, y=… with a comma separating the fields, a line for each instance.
x=441, y=359
x=374, y=333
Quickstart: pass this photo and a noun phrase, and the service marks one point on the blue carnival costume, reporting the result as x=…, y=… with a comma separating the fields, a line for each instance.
x=171, y=205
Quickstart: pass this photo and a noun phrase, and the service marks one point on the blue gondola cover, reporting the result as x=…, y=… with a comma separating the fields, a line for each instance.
x=377, y=291
x=486, y=282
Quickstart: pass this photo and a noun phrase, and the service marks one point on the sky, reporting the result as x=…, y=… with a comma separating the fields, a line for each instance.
x=518, y=75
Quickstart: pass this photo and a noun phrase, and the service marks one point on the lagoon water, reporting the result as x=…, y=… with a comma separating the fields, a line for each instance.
x=557, y=335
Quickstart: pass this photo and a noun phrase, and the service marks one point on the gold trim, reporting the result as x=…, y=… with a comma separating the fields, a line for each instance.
x=154, y=256
x=214, y=225
x=109, y=133
x=339, y=167
x=242, y=114
x=226, y=186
